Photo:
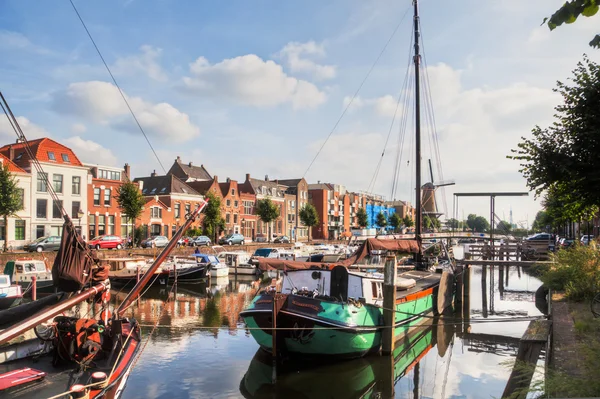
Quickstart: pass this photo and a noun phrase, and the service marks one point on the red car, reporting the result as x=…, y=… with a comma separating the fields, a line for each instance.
x=106, y=242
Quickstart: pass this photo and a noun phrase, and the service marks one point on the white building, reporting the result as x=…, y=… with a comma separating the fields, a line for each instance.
x=67, y=175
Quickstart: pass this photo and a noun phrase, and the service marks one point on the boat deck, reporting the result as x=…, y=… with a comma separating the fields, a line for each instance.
x=424, y=280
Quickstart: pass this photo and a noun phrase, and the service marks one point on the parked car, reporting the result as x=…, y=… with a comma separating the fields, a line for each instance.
x=566, y=242
x=282, y=240
x=586, y=239
x=51, y=243
x=231, y=239
x=540, y=237
x=261, y=238
x=106, y=242
x=155, y=242
x=200, y=241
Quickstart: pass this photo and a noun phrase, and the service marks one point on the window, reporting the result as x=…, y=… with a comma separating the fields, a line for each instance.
x=155, y=212
x=41, y=208
x=125, y=226
x=236, y=204
x=227, y=218
x=233, y=191
x=39, y=231
x=96, y=197
x=57, y=181
x=109, y=174
x=177, y=210
x=248, y=205
x=166, y=230
x=65, y=157
x=42, y=187
x=92, y=224
x=76, y=185
x=111, y=224
x=51, y=156
x=173, y=230
x=235, y=218
x=155, y=229
x=57, y=210
x=273, y=191
x=75, y=207
x=106, y=197
x=21, y=193
x=187, y=209
x=101, y=225
x=228, y=202
x=19, y=229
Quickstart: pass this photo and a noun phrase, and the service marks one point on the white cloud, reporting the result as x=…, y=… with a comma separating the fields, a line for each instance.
x=31, y=130
x=101, y=102
x=294, y=54
x=78, y=128
x=146, y=63
x=16, y=40
x=249, y=80
x=91, y=152
x=383, y=106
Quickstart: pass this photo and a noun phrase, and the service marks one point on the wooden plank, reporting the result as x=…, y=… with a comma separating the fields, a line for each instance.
x=524, y=263
x=538, y=331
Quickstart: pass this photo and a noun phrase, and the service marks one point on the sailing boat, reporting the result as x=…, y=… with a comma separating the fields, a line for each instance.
x=78, y=357
x=325, y=310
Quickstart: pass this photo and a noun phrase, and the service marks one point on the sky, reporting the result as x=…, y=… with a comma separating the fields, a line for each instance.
x=258, y=86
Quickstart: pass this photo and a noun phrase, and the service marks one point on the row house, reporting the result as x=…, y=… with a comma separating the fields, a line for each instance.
x=402, y=208
x=232, y=206
x=296, y=197
x=262, y=189
x=188, y=172
x=331, y=203
x=104, y=214
x=66, y=175
x=168, y=201
x=16, y=231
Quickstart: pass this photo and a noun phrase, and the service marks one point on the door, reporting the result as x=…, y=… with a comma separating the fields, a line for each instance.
x=339, y=283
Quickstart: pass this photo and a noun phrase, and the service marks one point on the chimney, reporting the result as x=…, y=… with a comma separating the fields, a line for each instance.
x=247, y=176
x=228, y=180
x=190, y=164
x=276, y=181
x=266, y=177
x=11, y=153
x=216, y=178
x=127, y=170
x=318, y=181
x=178, y=160
x=153, y=174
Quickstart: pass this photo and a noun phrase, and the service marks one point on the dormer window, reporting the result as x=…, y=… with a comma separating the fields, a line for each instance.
x=65, y=157
x=162, y=190
x=19, y=157
x=153, y=190
x=274, y=191
x=264, y=190
x=51, y=156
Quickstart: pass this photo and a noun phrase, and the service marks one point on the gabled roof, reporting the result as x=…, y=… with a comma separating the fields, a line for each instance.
x=189, y=172
x=258, y=184
x=290, y=182
x=202, y=186
x=43, y=149
x=320, y=186
x=12, y=167
x=164, y=185
x=227, y=186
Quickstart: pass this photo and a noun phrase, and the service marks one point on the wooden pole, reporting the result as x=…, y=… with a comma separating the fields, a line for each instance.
x=389, y=305
x=33, y=288
x=484, y=302
x=274, y=342
x=175, y=272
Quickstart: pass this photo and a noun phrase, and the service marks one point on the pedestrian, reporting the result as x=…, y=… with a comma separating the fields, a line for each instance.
x=197, y=250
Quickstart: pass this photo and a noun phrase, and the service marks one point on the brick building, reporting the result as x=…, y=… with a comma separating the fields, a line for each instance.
x=296, y=197
x=266, y=189
x=188, y=172
x=232, y=206
x=104, y=215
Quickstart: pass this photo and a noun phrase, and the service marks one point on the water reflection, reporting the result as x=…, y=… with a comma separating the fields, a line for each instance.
x=201, y=348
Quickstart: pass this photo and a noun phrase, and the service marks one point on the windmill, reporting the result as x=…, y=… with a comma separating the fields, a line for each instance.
x=429, y=204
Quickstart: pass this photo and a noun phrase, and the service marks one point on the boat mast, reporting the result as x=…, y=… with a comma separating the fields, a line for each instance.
x=417, y=61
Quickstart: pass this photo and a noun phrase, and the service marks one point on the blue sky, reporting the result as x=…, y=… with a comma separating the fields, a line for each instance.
x=256, y=86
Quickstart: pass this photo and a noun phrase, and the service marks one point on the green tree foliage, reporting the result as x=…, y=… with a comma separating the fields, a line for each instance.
x=503, y=227
x=570, y=11
x=381, y=220
x=309, y=217
x=395, y=221
x=431, y=223
x=407, y=221
x=213, y=222
x=542, y=219
x=10, y=199
x=131, y=202
x=452, y=223
x=267, y=211
x=477, y=223
x=563, y=159
x=361, y=217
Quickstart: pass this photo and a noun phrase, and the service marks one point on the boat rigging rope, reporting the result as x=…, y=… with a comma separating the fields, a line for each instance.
x=356, y=92
x=117, y=85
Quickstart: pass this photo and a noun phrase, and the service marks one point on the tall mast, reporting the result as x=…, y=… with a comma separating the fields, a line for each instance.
x=417, y=61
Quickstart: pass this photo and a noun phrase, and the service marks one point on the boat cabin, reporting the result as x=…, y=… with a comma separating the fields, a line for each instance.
x=233, y=259
x=22, y=270
x=117, y=264
x=206, y=259
x=4, y=282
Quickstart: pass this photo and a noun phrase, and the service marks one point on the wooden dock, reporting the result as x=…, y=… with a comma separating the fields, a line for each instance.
x=481, y=262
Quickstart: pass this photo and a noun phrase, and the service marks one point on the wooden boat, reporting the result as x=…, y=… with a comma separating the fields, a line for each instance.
x=22, y=271
x=128, y=270
x=10, y=294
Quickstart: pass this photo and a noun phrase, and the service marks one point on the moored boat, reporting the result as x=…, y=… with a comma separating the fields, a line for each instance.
x=10, y=294
x=186, y=269
x=238, y=263
x=23, y=270
x=128, y=270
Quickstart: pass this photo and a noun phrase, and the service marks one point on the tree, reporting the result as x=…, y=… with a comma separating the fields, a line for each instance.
x=309, y=216
x=381, y=220
x=569, y=12
x=504, y=227
x=452, y=223
x=477, y=223
x=361, y=217
x=395, y=221
x=471, y=221
x=431, y=222
x=564, y=156
x=267, y=211
x=407, y=221
x=10, y=199
x=542, y=219
x=131, y=201
x=213, y=222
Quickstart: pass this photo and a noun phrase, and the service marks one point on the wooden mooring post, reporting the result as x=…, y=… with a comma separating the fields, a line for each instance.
x=530, y=346
x=33, y=288
x=389, y=305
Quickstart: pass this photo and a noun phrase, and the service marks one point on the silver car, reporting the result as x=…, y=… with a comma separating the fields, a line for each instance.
x=155, y=242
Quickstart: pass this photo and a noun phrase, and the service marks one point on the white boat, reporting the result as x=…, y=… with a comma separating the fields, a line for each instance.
x=10, y=294
x=125, y=270
x=219, y=270
x=238, y=262
x=22, y=271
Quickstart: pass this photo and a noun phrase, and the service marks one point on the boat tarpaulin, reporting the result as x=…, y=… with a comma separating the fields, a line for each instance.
x=72, y=268
x=366, y=249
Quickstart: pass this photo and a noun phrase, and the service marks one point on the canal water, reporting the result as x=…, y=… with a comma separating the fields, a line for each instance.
x=201, y=349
